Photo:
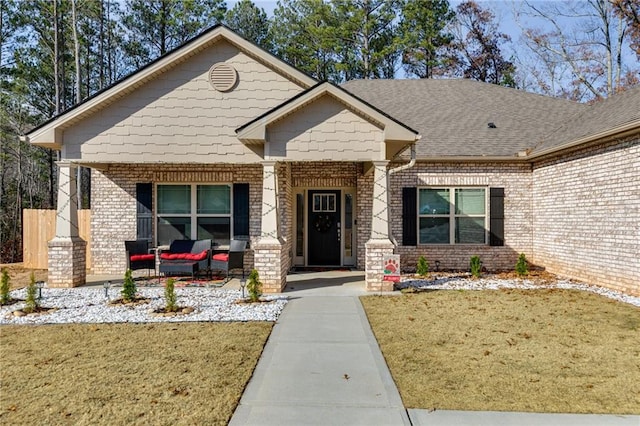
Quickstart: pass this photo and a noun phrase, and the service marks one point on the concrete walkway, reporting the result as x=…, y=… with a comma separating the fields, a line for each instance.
x=322, y=366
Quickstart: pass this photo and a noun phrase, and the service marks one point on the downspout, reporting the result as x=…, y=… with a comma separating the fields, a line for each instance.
x=410, y=164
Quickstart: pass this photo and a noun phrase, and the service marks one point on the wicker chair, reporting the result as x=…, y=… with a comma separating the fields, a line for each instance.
x=139, y=257
x=234, y=259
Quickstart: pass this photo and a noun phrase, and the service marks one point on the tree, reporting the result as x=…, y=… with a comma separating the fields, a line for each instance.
x=250, y=22
x=367, y=35
x=424, y=36
x=304, y=34
x=629, y=10
x=155, y=27
x=477, y=46
x=584, y=48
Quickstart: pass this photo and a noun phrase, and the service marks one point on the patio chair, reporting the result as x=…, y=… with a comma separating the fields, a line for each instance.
x=234, y=259
x=139, y=256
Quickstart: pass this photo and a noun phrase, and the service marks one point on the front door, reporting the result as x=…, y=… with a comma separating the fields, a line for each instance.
x=324, y=228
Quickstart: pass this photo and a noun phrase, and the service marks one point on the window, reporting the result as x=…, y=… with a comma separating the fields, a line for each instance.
x=194, y=212
x=324, y=203
x=452, y=216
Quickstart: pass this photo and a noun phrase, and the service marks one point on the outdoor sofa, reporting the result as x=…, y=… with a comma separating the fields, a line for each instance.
x=186, y=257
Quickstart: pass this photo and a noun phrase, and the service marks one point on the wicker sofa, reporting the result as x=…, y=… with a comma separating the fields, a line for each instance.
x=186, y=257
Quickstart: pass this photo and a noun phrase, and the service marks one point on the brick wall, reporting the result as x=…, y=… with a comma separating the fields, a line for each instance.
x=113, y=210
x=516, y=179
x=587, y=215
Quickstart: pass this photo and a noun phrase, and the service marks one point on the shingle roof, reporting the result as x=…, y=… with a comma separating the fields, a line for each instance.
x=610, y=113
x=453, y=115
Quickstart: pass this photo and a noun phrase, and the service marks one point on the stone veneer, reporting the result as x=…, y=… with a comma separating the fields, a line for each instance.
x=516, y=179
x=586, y=211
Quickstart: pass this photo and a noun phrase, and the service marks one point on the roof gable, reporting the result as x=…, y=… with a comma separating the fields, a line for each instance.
x=49, y=133
x=255, y=131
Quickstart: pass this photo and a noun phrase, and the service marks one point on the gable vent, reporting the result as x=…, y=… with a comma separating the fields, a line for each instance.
x=223, y=77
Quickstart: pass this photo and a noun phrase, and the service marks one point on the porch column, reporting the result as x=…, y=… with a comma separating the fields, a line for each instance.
x=379, y=245
x=270, y=257
x=67, y=251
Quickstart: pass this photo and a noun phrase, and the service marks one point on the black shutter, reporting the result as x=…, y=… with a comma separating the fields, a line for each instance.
x=409, y=216
x=144, y=196
x=496, y=217
x=241, y=211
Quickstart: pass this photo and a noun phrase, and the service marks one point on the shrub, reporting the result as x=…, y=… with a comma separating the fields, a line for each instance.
x=423, y=266
x=254, y=286
x=476, y=266
x=4, y=288
x=31, y=303
x=170, y=296
x=522, y=267
x=128, y=287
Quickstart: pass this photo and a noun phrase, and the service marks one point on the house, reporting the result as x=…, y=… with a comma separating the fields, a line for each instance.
x=220, y=139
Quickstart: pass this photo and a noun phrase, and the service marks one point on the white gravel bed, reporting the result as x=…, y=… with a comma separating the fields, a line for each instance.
x=461, y=282
x=89, y=305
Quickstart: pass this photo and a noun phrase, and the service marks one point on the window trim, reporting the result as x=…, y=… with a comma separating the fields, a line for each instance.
x=193, y=205
x=452, y=216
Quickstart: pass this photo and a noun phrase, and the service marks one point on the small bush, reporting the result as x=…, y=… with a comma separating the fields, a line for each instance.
x=170, y=296
x=423, y=266
x=31, y=302
x=254, y=286
x=522, y=267
x=476, y=266
x=4, y=288
x=129, y=289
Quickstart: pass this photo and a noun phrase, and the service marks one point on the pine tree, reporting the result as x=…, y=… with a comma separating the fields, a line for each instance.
x=254, y=286
x=4, y=288
x=129, y=289
x=31, y=302
x=170, y=296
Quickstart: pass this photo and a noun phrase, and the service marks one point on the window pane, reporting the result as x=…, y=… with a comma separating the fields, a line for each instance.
x=434, y=201
x=470, y=201
x=214, y=199
x=299, y=224
x=470, y=230
x=217, y=229
x=173, y=228
x=434, y=230
x=174, y=199
x=348, y=225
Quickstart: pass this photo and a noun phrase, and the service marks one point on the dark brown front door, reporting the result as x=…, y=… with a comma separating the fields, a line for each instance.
x=324, y=228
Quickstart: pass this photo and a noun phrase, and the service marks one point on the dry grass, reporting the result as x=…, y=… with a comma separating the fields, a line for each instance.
x=20, y=277
x=511, y=350
x=117, y=374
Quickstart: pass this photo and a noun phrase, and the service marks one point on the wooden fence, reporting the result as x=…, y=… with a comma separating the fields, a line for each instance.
x=38, y=227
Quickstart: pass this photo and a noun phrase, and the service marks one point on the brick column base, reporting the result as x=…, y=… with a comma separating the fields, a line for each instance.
x=67, y=262
x=375, y=250
x=271, y=261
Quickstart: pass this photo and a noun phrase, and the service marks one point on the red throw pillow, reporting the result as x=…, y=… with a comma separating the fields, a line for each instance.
x=224, y=257
x=139, y=257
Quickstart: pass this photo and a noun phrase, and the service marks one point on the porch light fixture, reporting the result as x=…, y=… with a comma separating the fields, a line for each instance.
x=243, y=284
x=40, y=284
x=106, y=286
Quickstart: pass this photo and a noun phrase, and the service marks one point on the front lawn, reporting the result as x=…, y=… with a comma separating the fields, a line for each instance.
x=116, y=374
x=548, y=350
